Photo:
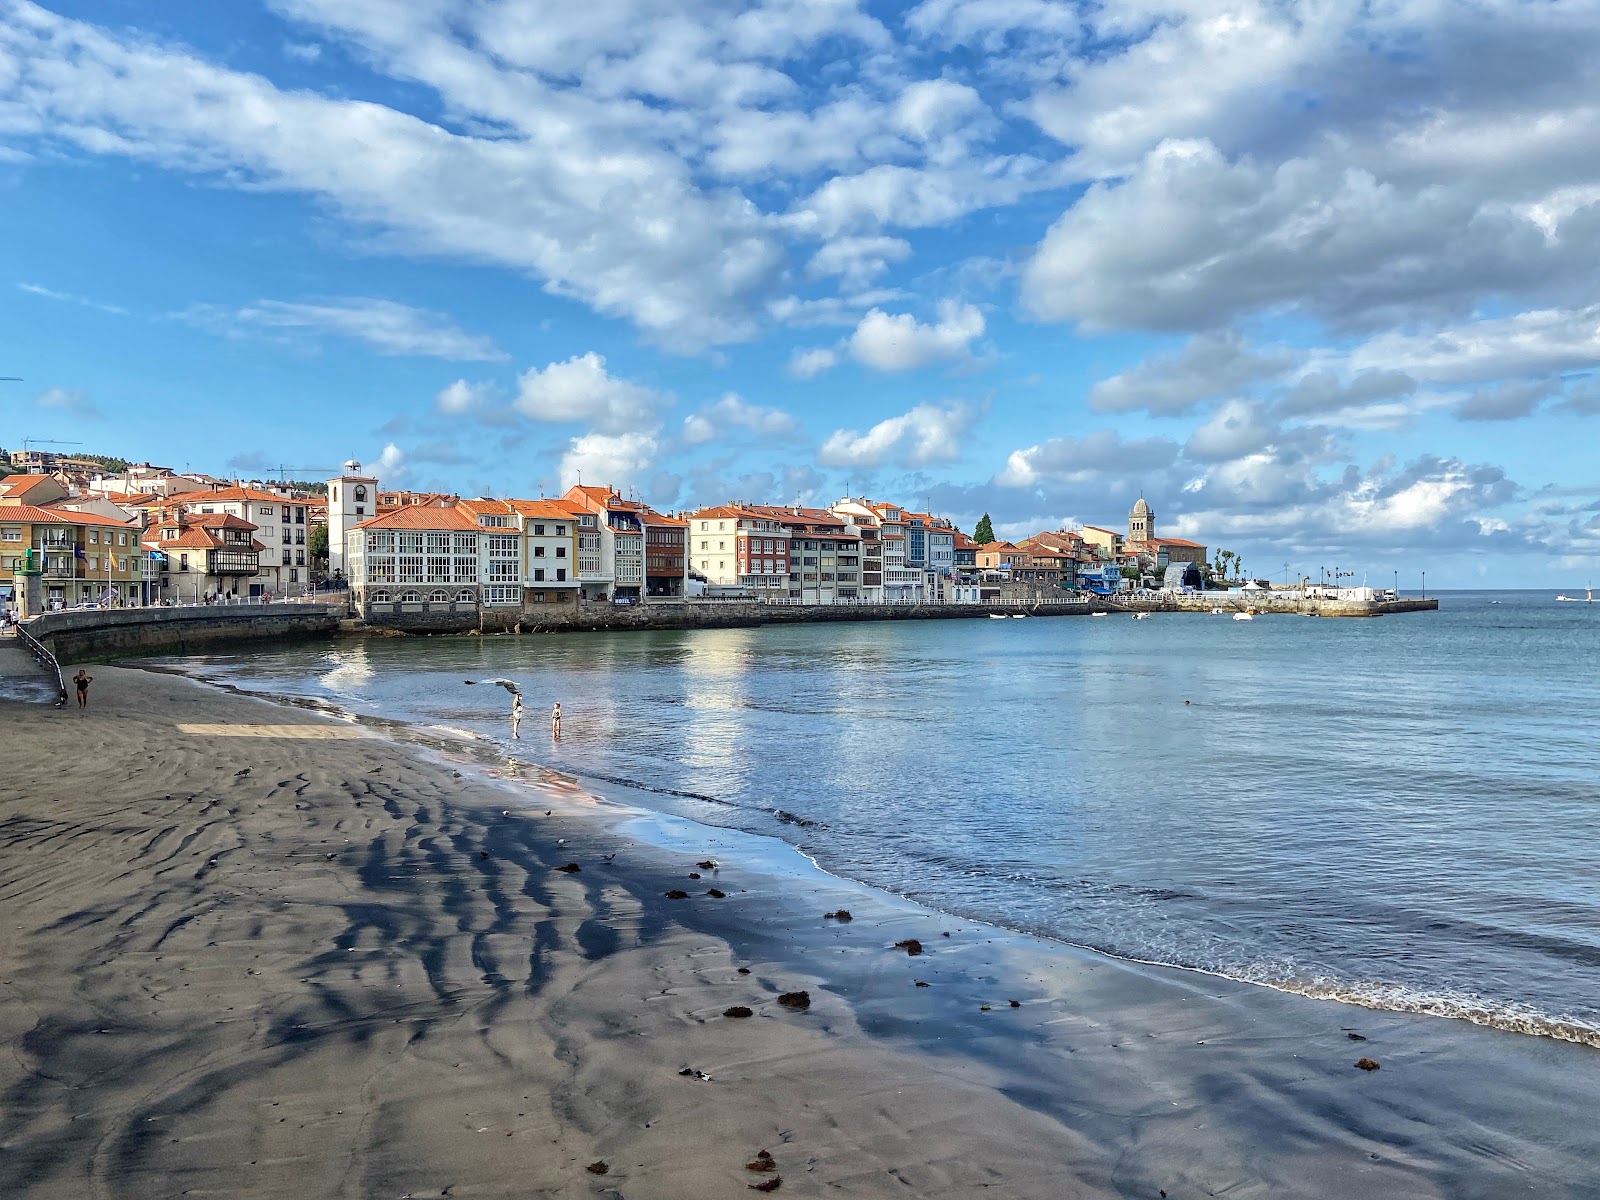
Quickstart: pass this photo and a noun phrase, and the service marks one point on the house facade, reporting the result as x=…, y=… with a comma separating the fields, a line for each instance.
x=79, y=558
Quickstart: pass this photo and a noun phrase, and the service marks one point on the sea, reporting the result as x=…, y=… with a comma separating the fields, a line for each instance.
x=1401, y=812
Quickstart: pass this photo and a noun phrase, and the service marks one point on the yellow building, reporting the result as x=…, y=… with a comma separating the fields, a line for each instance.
x=83, y=557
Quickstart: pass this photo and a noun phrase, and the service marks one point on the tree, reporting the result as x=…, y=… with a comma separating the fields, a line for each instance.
x=318, y=544
x=984, y=533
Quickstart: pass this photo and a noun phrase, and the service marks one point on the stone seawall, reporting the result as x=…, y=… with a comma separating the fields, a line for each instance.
x=115, y=632
x=449, y=618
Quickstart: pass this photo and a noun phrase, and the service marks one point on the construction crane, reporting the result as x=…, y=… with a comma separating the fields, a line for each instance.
x=29, y=443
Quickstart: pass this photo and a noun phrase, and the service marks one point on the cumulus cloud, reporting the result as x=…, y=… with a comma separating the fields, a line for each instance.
x=1323, y=392
x=1209, y=365
x=900, y=342
x=1064, y=461
x=391, y=329
x=1238, y=428
x=731, y=414
x=607, y=459
x=463, y=399
x=1538, y=342
x=581, y=389
x=925, y=436
x=67, y=400
x=808, y=364
x=1506, y=401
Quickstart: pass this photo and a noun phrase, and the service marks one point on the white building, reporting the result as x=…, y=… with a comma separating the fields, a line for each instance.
x=352, y=499
x=280, y=525
x=743, y=548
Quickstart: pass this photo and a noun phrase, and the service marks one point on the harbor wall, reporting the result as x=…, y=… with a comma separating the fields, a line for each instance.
x=91, y=634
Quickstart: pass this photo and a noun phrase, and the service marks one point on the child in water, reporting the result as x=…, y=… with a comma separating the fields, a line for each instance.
x=516, y=716
x=555, y=721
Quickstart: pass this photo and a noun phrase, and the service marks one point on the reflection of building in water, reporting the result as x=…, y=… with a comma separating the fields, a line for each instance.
x=716, y=740
x=350, y=669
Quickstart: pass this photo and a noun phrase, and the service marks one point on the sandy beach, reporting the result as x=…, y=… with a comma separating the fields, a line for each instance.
x=249, y=950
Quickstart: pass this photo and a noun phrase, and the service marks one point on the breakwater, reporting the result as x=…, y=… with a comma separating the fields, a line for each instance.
x=115, y=632
x=446, y=618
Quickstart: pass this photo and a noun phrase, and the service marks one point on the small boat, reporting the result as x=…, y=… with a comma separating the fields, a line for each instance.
x=1100, y=614
x=1216, y=612
x=1586, y=598
x=1018, y=616
x=997, y=616
x=1141, y=616
x=1244, y=616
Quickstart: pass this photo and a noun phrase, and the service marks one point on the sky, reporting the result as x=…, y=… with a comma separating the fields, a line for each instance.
x=1316, y=277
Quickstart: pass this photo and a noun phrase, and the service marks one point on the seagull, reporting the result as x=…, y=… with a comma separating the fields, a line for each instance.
x=505, y=683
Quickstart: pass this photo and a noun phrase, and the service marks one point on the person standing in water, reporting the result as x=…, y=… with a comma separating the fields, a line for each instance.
x=555, y=721
x=83, y=680
x=516, y=715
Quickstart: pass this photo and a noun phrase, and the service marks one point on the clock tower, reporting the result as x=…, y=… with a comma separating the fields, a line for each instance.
x=352, y=499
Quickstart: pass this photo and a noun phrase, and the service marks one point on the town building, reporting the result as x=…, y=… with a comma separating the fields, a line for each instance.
x=500, y=570
x=739, y=549
x=549, y=552
x=420, y=558
x=81, y=558
x=610, y=543
x=352, y=499
x=280, y=525
x=825, y=553
x=666, y=555
x=204, y=555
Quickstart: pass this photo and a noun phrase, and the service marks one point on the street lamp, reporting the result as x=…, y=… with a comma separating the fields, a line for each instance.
x=1424, y=585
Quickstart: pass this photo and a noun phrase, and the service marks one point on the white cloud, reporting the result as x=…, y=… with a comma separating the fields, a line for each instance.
x=1529, y=343
x=474, y=400
x=1238, y=428
x=730, y=414
x=925, y=436
x=615, y=460
x=391, y=463
x=395, y=330
x=35, y=289
x=1073, y=461
x=901, y=343
x=857, y=261
x=67, y=400
x=303, y=51
x=808, y=364
x=580, y=389
x=1209, y=365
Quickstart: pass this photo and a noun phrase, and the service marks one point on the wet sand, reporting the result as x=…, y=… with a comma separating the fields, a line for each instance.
x=305, y=965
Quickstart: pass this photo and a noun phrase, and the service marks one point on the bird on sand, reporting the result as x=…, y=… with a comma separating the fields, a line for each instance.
x=505, y=683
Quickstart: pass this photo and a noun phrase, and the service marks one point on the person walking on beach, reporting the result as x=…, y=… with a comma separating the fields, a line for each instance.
x=83, y=680
x=516, y=715
x=555, y=721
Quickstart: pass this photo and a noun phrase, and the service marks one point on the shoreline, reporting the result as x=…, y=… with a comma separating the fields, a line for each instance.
x=1108, y=1079
x=1379, y=998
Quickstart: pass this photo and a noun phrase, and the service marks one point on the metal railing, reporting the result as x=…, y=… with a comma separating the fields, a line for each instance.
x=46, y=660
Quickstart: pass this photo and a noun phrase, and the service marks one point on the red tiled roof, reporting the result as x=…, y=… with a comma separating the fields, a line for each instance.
x=419, y=516
x=10, y=510
x=19, y=485
x=550, y=510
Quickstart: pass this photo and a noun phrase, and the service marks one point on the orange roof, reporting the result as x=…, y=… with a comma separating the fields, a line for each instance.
x=550, y=510
x=218, y=521
x=1178, y=542
x=228, y=493
x=10, y=510
x=730, y=511
x=605, y=497
x=420, y=516
x=19, y=485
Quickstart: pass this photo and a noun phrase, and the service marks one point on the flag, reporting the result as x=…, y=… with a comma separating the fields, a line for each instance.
x=77, y=552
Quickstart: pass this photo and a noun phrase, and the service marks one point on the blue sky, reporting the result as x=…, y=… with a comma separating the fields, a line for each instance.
x=1318, y=278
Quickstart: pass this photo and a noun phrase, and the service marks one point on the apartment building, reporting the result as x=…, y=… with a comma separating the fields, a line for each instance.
x=610, y=543
x=280, y=524
x=78, y=558
x=417, y=559
x=549, y=552
x=737, y=547
x=204, y=554
x=824, y=553
x=500, y=570
x=666, y=555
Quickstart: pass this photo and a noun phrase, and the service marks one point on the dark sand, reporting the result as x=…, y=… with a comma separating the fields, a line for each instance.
x=354, y=971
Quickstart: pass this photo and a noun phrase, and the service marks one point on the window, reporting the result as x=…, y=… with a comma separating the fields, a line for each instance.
x=299, y=516
x=561, y=551
x=440, y=597
x=11, y=534
x=538, y=574
x=266, y=511
x=538, y=551
x=94, y=537
x=361, y=494
x=379, y=598
x=702, y=530
x=410, y=597
x=286, y=558
x=561, y=574
x=538, y=597
x=538, y=530
x=465, y=598
x=502, y=595
x=722, y=545
x=294, y=576
x=183, y=562
x=122, y=539
x=299, y=560
x=703, y=545
x=561, y=531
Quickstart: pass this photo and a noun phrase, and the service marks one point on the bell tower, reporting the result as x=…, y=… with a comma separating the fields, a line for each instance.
x=1141, y=522
x=352, y=499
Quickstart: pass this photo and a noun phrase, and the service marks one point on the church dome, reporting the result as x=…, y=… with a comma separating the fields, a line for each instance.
x=1140, y=508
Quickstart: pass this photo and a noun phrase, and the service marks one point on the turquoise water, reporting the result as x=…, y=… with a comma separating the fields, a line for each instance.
x=1400, y=812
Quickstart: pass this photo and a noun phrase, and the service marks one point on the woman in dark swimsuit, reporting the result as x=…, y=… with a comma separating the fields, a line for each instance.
x=83, y=681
